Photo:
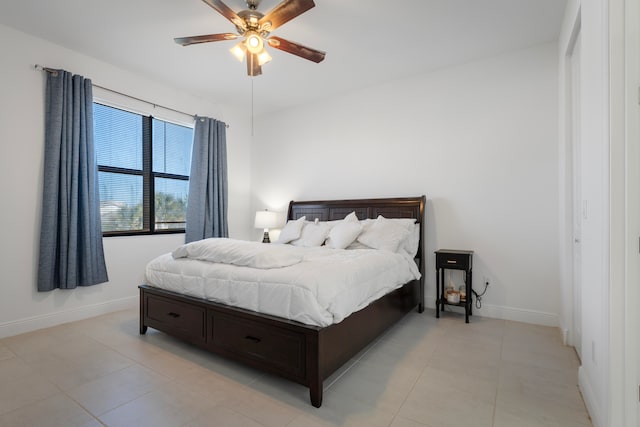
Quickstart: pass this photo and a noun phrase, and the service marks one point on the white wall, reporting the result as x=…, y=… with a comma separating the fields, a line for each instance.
x=22, y=308
x=479, y=140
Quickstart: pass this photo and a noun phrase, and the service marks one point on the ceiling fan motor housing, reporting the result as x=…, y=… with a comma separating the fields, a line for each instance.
x=251, y=19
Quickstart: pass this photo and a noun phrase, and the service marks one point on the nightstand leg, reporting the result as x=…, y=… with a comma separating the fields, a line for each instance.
x=468, y=287
x=442, y=296
x=437, y=293
x=470, y=290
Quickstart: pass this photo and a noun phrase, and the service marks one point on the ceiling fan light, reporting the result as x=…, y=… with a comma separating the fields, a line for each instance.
x=254, y=42
x=264, y=57
x=239, y=51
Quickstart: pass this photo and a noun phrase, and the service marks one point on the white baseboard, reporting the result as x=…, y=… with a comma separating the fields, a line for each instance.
x=506, y=313
x=29, y=324
x=593, y=406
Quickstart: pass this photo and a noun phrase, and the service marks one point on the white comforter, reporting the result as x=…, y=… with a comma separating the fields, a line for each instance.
x=322, y=288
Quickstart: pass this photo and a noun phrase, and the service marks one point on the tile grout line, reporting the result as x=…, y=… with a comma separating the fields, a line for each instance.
x=95, y=417
x=495, y=399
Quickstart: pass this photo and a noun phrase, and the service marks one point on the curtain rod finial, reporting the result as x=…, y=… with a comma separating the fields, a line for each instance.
x=39, y=67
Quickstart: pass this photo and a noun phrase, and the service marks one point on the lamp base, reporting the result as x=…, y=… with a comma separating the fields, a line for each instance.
x=265, y=238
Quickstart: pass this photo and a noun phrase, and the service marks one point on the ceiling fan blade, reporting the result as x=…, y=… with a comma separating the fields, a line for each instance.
x=186, y=41
x=253, y=66
x=285, y=12
x=297, y=49
x=227, y=12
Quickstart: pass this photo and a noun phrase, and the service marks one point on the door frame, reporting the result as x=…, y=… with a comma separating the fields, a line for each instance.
x=631, y=39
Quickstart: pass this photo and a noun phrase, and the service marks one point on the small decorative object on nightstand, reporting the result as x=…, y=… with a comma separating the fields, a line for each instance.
x=266, y=220
x=447, y=259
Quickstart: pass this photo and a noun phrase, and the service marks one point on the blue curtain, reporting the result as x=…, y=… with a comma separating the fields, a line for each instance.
x=207, y=204
x=71, y=252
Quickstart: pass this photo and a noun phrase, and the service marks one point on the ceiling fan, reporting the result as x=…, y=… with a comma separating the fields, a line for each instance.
x=256, y=27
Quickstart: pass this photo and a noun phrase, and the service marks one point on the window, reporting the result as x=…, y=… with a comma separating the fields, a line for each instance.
x=143, y=172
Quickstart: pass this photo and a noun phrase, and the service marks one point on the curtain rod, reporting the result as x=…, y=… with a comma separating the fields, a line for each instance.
x=54, y=72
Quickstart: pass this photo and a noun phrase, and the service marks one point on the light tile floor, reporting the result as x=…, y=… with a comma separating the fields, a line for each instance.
x=423, y=372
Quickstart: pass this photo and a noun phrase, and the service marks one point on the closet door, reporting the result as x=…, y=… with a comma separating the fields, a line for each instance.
x=579, y=205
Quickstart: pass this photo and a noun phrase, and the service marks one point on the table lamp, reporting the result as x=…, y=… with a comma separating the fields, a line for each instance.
x=266, y=220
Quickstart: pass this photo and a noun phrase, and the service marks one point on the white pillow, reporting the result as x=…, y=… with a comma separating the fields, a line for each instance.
x=366, y=224
x=384, y=234
x=352, y=217
x=412, y=241
x=313, y=234
x=291, y=230
x=344, y=232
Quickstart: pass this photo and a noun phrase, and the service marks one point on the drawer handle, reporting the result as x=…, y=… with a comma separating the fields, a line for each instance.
x=451, y=261
x=174, y=315
x=252, y=339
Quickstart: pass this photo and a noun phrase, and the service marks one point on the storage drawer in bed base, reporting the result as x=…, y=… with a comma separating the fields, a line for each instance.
x=183, y=319
x=281, y=349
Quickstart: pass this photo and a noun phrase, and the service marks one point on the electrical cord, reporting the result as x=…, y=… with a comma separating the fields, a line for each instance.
x=479, y=296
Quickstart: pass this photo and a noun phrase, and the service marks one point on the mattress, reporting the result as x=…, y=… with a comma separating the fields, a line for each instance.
x=316, y=285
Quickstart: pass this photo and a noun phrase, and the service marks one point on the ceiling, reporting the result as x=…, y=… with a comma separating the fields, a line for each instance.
x=368, y=42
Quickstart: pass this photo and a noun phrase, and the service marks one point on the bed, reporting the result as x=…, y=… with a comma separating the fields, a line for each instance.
x=304, y=353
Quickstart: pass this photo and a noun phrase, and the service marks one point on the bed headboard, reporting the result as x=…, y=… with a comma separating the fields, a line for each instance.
x=329, y=210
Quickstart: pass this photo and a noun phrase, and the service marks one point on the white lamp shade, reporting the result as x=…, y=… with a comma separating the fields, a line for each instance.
x=266, y=219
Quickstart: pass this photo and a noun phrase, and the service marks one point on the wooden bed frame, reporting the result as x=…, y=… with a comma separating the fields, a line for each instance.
x=302, y=353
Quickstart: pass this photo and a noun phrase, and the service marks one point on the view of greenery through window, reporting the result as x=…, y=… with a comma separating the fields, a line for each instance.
x=139, y=156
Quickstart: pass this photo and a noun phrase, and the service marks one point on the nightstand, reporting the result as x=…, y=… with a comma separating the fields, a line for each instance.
x=447, y=259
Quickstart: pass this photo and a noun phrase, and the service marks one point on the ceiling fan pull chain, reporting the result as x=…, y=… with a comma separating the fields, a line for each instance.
x=252, y=106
